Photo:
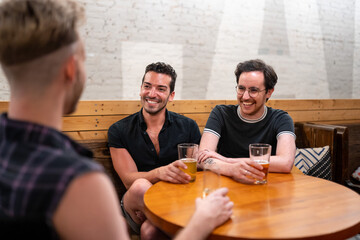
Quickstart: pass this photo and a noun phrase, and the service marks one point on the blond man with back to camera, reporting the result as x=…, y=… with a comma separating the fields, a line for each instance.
x=49, y=186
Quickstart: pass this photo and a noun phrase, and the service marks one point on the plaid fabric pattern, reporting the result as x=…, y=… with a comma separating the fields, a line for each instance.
x=314, y=161
x=37, y=164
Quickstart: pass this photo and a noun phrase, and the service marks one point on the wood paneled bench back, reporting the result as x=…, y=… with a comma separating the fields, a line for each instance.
x=90, y=122
x=93, y=118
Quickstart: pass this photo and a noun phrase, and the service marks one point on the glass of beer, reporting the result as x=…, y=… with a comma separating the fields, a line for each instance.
x=260, y=153
x=211, y=178
x=188, y=153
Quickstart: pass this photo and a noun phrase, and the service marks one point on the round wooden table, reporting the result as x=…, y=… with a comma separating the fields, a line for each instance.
x=290, y=206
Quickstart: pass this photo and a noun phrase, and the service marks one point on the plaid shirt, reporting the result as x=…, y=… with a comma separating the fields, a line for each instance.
x=37, y=164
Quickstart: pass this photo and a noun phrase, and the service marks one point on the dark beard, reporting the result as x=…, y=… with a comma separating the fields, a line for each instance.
x=156, y=112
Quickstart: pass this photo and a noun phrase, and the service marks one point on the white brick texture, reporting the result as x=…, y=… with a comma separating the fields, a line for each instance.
x=313, y=45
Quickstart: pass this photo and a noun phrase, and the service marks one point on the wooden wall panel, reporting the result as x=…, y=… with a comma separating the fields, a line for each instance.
x=83, y=123
x=325, y=115
x=106, y=107
x=85, y=135
x=93, y=118
x=315, y=104
x=102, y=122
x=4, y=106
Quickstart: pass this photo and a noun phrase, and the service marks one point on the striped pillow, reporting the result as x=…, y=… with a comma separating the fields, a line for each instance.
x=314, y=161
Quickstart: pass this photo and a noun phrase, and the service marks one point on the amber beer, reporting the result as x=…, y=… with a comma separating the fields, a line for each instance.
x=191, y=167
x=260, y=153
x=265, y=170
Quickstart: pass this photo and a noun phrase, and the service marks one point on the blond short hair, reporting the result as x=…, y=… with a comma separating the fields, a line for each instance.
x=33, y=28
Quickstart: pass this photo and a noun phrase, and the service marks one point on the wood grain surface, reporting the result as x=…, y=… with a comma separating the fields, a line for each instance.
x=290, y=206
x=92, y=117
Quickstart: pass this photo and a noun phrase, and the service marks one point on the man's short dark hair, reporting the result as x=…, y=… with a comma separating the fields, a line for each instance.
x=258, y=65
x=164, y=68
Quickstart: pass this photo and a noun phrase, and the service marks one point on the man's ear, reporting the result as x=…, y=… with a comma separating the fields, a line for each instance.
x=70, y=69
x=269, y=92
x=171, y=97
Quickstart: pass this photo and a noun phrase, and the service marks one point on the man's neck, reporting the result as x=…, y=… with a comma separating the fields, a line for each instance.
x=43, y=111
x=154, y=121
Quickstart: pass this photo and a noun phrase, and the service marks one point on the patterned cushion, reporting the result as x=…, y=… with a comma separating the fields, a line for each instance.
x=314, y=161
x=356, y=174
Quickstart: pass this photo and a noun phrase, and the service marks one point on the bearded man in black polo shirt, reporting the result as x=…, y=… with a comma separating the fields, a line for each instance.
x=144, y=145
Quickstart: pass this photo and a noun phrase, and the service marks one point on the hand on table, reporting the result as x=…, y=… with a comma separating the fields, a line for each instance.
x=210, y=212
x=246, y=171
x=215, y=209
x=172, y=173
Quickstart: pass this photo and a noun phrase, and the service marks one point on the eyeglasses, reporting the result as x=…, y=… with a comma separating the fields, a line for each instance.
x=253, y=91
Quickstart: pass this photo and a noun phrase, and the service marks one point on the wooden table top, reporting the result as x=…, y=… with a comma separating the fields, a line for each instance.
x=290, y=206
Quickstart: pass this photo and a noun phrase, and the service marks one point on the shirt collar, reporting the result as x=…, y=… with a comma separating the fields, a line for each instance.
x=252, y=120
x=168, y=119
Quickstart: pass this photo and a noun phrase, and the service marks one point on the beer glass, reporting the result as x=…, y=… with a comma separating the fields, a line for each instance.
x=260, y=153
x=188, y=153
x=211, y=178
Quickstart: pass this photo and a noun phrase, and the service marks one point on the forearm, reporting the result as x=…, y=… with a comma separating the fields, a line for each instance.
x=284, y=159
x=208, y=154
x=194, y=230
x=216, y=165
x=233, y=160
x=281, y=164
x=129, y=178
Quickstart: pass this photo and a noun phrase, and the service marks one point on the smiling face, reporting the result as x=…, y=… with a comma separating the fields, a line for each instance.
x=252, y=107
x=155, y=92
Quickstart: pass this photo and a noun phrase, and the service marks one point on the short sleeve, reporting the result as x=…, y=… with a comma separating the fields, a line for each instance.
x=285, y=125
x=115, y=136
x=215, y=122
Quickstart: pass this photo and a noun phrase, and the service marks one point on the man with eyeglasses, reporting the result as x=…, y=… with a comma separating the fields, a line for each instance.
x=231, y=128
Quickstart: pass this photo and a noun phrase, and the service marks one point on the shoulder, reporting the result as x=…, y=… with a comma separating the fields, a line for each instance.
x=178, y=118
x=78, y=163
x=278, y=113
x=225, y=108
x=99, y=213
x=65, y=167
x=122, y=123
x=90, y=182
x=69, y=166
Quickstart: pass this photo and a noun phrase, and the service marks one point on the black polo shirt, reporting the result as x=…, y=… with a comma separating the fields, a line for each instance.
x=130, y=133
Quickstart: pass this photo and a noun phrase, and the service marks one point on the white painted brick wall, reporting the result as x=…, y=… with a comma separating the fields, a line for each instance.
x=310, y=43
